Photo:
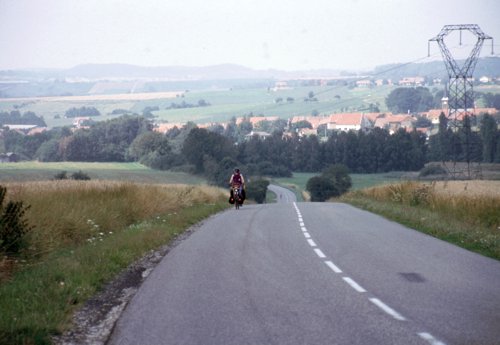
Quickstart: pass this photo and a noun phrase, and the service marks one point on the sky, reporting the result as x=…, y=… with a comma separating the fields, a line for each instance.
x=260, y=34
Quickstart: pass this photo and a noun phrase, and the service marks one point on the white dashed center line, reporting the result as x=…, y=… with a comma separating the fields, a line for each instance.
x=430, y=339
x=384, y=307
x=353, y=284
x=387, y=309
x=333, y=267
x=311, y=243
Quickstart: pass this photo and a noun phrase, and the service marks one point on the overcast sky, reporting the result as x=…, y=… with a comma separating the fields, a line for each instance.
x=262, y=34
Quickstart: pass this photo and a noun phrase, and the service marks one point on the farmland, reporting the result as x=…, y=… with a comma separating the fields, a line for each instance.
x=224, y=103
x=135, y=172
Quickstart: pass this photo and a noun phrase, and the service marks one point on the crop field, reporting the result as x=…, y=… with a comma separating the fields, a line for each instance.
x=101, y=97
x=134, y=172
x=224, y=104
x=474, y=188
x=84, y=233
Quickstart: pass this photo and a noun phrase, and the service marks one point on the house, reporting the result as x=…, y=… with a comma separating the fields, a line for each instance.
x=165, y=127
x=412, y=81
x=280, y=85
x=306, y=132
x=315, y=121
x=79, y=122
x=9, y=157
x=392, y=122
x=348, y=121
x=433, y=114
x=260, y=135
x=256, y=119
x=23, y=129
x=484, y=80
x=364, y=83
x=37, y=130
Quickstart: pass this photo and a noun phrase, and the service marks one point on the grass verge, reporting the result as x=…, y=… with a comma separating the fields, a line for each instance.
x=467, y=221
x=38, y=300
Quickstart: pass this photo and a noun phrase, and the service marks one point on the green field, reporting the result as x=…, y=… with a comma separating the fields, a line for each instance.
x=224, y=104
x=298, y=182
x=135, y=172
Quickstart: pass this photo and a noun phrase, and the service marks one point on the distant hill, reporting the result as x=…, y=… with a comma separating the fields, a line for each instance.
x=178, y=73
x=124, y=78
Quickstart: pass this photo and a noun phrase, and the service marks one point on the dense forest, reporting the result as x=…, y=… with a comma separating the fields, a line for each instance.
x=214, y=152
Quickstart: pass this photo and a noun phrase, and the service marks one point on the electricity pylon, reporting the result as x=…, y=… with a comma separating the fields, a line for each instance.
x=460, y=88
x=460, y=84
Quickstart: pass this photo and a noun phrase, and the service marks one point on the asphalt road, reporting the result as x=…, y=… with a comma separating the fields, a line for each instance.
x=314, y=273
x=283, y=195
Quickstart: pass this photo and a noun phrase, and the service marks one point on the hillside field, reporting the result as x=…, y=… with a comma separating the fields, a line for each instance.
x=224, y=104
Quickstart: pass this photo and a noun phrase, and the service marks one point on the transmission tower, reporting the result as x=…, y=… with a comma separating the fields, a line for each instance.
x=460, y=84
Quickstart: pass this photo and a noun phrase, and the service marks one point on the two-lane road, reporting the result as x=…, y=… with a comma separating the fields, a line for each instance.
x=283, y=195
x=314, y=273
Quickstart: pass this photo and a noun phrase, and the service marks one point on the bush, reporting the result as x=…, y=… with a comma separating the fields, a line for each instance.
x=257, y=190
x=80, y=175
x=63, y=175
x=12, y=225
x=333, y=182
x=321, y=188
x=432, y=169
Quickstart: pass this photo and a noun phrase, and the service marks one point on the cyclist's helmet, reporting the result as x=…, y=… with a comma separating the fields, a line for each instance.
x=236, y=170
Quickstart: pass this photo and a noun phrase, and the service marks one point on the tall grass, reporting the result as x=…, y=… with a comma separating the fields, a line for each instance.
x=471, y=221
x=71, y=212
x=85, y=233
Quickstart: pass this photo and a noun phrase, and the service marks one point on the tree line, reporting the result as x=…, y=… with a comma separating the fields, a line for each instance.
x=16, y=118
x=214, y=152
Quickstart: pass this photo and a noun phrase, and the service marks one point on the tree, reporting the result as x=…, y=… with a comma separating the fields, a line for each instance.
x=82, y=111
x=301, y=124
x=148, y=142
x=257, y=190
x=320, y=188
x=200, y=143
x=244, y=128
x=492, y=100
x=13, y=226
x=49, y=151
x=489, y=135
x=218, y=173
x=333, y=182
x=338, y=174
x=406, y=99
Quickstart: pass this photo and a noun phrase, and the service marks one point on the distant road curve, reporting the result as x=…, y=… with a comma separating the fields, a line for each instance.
x=283, y=195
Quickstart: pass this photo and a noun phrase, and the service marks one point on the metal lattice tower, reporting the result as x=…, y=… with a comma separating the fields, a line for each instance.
x=460, y=86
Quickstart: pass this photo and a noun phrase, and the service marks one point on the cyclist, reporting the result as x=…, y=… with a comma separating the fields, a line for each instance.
x=237, y=180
